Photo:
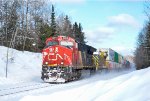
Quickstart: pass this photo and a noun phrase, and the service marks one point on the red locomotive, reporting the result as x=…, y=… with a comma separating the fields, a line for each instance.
x=64, y=58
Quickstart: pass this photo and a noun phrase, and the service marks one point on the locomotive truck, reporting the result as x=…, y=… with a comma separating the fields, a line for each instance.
x=64, y=58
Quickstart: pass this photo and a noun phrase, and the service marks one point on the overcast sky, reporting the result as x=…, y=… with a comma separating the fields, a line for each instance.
x=107, y=23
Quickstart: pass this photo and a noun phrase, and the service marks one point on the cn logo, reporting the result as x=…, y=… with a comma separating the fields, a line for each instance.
x=56, y=57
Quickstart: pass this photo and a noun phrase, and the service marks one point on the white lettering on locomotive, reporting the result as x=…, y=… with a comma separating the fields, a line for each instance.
x=51, y=49
x=56, y=57
x=56, y=49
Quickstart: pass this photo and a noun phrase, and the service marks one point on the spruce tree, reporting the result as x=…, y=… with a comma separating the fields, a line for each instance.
x=81, y=34
x=76, y=31
x=44, y=32
x=53, y=22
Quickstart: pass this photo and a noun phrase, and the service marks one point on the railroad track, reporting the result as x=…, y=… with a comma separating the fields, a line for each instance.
x=21, y=89
x=24, y=88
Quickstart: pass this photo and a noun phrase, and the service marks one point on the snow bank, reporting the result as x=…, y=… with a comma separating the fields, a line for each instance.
x=22, y=66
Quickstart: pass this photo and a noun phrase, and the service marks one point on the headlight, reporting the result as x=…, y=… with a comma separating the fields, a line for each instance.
x=46, y=63
x=62, y=63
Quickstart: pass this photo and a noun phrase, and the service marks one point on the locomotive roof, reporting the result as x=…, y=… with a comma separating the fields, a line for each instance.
x=81, y=46
x=60, y=38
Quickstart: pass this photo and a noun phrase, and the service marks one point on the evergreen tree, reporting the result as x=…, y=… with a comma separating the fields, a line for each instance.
x=75, y=31
x=45, y=30
x=53, y=23
x=81, y=34
x=78, y=34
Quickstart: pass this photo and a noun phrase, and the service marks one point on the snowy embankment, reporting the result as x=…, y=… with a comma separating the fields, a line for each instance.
x=24, y=71
x=22, y=66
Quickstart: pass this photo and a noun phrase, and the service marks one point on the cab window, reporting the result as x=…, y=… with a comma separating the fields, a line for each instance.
x=66, y=43
x=52, y=43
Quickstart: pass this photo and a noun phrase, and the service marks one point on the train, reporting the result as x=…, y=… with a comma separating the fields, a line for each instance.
x=64, y=59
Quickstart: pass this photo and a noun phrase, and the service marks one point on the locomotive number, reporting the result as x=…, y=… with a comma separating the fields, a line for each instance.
x=56, y=49
x=51, y=49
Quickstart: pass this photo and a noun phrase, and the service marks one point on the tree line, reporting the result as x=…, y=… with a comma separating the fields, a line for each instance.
x=142, y=52
x=26, y=24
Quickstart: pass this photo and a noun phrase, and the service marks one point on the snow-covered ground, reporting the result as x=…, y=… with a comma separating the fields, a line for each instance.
x=23, y=66
x=24, y=75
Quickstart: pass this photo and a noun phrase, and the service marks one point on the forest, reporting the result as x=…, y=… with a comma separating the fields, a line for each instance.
x=26, y=24
x=142, y=52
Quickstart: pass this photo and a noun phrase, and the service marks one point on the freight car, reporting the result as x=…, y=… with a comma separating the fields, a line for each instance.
x=107, y=58
x=64, y=58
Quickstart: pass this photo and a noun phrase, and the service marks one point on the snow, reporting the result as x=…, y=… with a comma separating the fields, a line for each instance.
x=24, y=72
x=23, y=66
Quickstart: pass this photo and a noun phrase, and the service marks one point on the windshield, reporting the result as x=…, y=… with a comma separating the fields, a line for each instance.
x=52, y=43
x=66, y=43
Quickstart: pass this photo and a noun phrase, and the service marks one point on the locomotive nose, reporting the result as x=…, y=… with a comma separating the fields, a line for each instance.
x=45, y=53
